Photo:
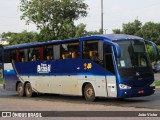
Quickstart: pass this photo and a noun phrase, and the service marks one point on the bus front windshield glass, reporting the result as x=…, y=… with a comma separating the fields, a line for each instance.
x=133, y=58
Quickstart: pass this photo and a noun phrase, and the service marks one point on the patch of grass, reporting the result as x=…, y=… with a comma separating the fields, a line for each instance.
x=1, y=80
x=157, y=82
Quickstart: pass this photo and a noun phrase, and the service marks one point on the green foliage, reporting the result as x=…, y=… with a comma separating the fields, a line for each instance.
x=148, y=31
x=7, y=36
x=54, y=18
x=151, y=52
x=26, y=37
x=151, y=31
x=132, y=28
x=93, y=32
x=157, y=82
x=1, y=79
x=18, y=38
x=80, y=30
x=116, y=31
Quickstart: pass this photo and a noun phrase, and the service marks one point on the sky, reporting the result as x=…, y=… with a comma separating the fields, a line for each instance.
x=116, y=12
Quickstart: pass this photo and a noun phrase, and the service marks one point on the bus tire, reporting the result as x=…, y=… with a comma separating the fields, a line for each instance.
x=28, y=90
x=20, y=90
x=89, y=93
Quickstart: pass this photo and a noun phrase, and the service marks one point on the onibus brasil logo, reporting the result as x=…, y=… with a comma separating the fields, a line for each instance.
x=44, y=68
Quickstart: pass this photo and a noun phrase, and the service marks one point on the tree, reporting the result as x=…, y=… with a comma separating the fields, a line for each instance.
x=116, y=31
x=150, y=31
x=6, y=36
x=26, y=37
x=94, y=32
x=18, y=38
x=132, y=28
x=53, y=17
x=80, y=30
x=151, y=52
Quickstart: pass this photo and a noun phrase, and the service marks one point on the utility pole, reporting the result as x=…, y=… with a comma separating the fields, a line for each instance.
x=102, y=16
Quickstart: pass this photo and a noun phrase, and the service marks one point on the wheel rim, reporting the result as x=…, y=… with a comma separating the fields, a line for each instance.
x=20, y=90
x=28, y=90
x=90, y=92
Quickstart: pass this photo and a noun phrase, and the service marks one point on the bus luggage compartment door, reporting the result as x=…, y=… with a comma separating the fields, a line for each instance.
x=111, y=86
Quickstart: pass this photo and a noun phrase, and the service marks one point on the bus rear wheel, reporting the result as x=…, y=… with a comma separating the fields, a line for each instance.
x=89, y=93
x=28, y=90
x=20, y=90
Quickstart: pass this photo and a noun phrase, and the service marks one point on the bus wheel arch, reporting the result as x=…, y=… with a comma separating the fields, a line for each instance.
x=88, y=92
x=20, y=89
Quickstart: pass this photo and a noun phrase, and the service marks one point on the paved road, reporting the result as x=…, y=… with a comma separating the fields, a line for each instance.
x=9, y=101
x=157, y=76
x=149, y=102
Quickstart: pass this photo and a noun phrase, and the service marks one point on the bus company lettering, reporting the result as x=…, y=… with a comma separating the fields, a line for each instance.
x=44, y=68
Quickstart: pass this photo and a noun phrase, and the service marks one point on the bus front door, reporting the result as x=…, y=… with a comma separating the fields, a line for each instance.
x=110, y=79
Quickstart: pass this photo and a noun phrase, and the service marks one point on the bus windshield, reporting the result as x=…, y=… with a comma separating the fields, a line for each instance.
x=133, y=57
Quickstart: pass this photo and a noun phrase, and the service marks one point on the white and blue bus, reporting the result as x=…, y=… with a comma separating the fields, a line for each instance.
x=114, y=65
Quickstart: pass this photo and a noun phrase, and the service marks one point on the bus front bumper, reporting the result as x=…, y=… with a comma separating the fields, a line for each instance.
x=136, y=92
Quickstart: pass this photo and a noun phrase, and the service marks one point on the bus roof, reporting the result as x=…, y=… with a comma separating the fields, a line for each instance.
x=109, y=37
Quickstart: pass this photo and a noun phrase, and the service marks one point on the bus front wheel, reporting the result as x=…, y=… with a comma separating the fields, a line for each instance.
x=89, y=93
x=20, y=90
x=28, y=90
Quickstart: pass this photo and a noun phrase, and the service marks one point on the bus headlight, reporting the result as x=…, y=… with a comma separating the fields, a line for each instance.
x=153, y=84
x=122, y=86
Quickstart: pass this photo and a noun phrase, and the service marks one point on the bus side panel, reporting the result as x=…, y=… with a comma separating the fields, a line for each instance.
x=44, y=84
x=64, y=76
x=62, y=84
x=83, y=79
x=70, y=84
x=111, y=86
x=10, y=77
x=98, y=83
x=100, y=86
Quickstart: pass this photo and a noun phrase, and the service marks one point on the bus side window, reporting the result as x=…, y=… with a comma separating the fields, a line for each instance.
x=85, y=50
x=64, y=51
x=93, y=50
x=21, y=56
x=41, y=53
x=7, y=56
x=48, y=52
x=34, y=54
x=13, y=55
x=74, y=50
x=70, y=50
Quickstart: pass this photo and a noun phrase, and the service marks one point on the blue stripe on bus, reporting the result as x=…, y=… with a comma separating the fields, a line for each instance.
x=62, y=67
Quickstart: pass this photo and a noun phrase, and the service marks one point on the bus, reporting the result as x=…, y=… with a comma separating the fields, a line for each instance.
x=112, y=65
